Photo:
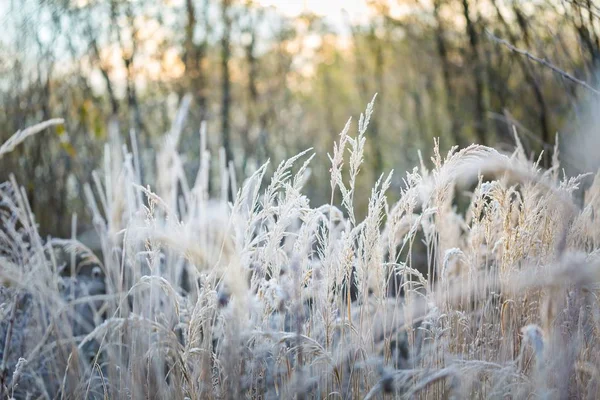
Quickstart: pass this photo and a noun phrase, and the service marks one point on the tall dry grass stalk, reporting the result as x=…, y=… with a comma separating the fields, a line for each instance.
x=193, y=297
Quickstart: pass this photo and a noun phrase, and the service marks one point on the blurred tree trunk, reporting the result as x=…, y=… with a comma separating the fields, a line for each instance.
x=283, y=94
x=451, y=98
x=195, y=55
x=376, y=123
x=359, y=72
x=533, y=81
x=589, y=38
x=529, y=75
x=136, y=121
x=478, y=72
x=226, y=79
x=252, y=106
x=114, y=102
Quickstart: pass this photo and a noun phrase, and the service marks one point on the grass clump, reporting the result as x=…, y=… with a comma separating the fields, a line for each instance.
x=266, y=296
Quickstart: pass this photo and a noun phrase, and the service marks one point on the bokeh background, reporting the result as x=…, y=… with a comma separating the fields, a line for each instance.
x=274, y=77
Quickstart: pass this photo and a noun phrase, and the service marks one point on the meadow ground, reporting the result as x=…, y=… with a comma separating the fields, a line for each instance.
x=268, y=296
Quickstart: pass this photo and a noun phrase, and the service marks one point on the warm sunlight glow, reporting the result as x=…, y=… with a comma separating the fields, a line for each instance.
x=338, y=12
x=317, y=6
x=333, y=9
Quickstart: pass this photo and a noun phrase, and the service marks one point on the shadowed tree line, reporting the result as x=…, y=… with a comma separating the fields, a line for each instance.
x=270, y=85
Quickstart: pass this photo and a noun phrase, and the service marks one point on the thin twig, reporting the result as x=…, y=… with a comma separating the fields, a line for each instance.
x=21, y=135
x=544, y=62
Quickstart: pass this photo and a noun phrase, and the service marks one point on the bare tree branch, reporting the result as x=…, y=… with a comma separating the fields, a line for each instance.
x=544, y=62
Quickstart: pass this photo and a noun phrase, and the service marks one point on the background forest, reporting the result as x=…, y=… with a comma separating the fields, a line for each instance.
x=270, y=83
